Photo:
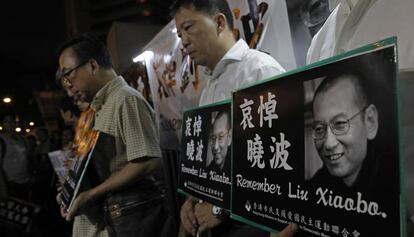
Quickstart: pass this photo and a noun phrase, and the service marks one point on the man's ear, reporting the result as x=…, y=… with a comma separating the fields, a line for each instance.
x=230, y=137
x=371, y=121
x=94, y=66
x=221, y=22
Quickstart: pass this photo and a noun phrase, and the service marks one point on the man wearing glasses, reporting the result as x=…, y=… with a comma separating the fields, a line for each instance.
x=360, y=161
x=345, y=123
x=220, y=139
x=127, y=150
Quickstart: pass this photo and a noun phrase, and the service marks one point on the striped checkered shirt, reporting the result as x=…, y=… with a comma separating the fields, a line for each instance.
x=128, y=131
x=127, y=126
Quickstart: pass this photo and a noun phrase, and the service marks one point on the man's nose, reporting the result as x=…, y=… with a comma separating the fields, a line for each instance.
x=330, y=139
x=185, y=40
x=216, y=145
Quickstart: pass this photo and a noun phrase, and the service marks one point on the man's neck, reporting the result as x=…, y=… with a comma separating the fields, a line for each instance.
x=351, y=179
x=226, y=43
x=222, y=165
x=105, y=76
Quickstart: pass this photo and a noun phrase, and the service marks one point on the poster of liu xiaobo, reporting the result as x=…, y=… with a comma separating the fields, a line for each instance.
x=320, y=146
x=205, y=171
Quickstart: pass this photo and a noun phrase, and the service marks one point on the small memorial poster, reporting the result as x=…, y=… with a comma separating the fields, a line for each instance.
x=60, y=162
x=205, y=171
x=18, y=213
x=320, y=146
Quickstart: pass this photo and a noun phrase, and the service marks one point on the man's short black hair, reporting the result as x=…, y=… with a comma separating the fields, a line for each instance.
x=210, y=7
x=225, y=114
x=87, y=47
x=354, y=76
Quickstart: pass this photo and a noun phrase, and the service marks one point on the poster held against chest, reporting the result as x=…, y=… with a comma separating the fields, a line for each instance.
x=205, y=171
x=319, y=147
x=85, y=141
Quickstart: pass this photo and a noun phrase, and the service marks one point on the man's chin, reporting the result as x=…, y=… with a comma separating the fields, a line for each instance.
x=219, y=163
x=337, y=172
x=198, y=61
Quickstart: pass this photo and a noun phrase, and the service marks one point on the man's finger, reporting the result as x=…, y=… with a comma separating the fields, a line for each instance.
x=188, y=226
x=187, y=217
x=202, y=228
x=288, y=231
x=192, y=218
x=69, y=215
x=189, y=212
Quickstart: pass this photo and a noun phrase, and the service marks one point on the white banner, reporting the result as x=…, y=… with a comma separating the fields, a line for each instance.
x=265, y=26
x=174, y=81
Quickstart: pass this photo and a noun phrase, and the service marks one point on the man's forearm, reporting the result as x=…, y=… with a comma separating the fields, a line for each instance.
x=132, y=172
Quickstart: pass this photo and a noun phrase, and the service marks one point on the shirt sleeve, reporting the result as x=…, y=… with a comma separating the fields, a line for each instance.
x=138, y=129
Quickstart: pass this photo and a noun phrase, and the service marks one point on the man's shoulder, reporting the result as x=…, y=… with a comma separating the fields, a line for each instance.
x=257, y=60
x=258, y=65
x=254, y=55
x=123, y=92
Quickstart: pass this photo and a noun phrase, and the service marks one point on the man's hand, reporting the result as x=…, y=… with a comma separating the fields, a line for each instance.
x=289, y=231
x=188, y=218
x=62, y=207
x=82, y=203
x=205, y=217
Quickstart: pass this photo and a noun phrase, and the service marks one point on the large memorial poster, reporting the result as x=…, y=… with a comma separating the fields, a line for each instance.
x=205, y=171
x=319, y=147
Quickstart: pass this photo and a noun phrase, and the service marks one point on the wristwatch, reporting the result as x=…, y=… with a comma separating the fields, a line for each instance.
x=219, y=213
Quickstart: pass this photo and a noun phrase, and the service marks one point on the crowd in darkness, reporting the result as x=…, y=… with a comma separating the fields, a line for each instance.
x=27, y=175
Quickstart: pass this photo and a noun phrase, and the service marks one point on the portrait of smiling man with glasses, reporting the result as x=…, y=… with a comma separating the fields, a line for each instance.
x=220, y=141
x=345, y=121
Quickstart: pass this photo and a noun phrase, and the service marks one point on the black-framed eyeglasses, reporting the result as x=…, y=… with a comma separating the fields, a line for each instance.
x=337, y=126
x=65, y=76
x=219, y=137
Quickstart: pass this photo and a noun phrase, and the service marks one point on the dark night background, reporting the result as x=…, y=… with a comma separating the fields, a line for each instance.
x=31, y=33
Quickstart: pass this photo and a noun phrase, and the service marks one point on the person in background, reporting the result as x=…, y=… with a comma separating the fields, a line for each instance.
x=15, y=162
x=69, y=111
x=3, y=186
x=42, y=170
